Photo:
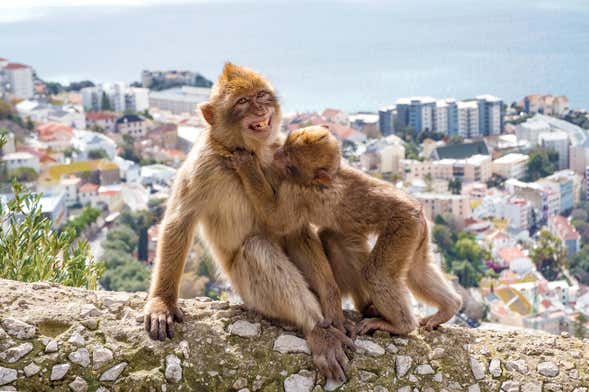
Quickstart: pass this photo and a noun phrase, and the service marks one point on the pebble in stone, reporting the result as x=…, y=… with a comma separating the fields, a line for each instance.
x=403, y=363
x=366, y=376
x=19, y=329
x=240, y=383
x=548, y=369
x=532, y=387
x=404, y=389
x=101, y=356
x=102, y=389
x=78, y=385
x=474, y=388
x=424, y=369
x=184, y=349
x=16, y=353
x=291, y=344
x=369, y=347
x=437, y=353
x=495, y=367
x=7, y=375
x=400, y=341
x=380, y=388
x=332, y=385
x=31, y=369
x=412, y=378
x=245, y=329
x=89, y=310
x=303, y=381
x=51, y=347
x=8, y=388
x=59, y=371
x=510, y=386
x=77, y=339
x=520, y=365
x=80, y=357
x=392, y=348
x=114, y=372
x=438, y=377
x=478, y=370
x=173, y=368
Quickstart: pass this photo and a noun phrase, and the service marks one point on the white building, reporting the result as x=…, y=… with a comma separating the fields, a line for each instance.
x=16, y=160
x=19, y=78
x=468, y=119
x=179, y=100
x=130, y=171
x=511, y=166
x=436, y=204
x=10, y=145
x=559, y=141
x=70, y=186
x=531, y=130
x=120, y=96
x=86, y=141
x=88, y=195
x=157, y=174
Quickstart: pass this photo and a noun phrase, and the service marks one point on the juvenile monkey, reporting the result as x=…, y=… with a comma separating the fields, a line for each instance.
x=348, y=206
x=270, y=272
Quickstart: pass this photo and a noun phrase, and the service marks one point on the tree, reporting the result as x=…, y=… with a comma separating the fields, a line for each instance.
x=542, y=163
x=29, y=124
x=455, y=185
x=105, y=102
x=129, y=276
x=97, y=154
x=30, y=250
x=580, y=265
x=124, y=234
x=579, y=326
x=6, y=110
x=549, y=255
x=22, y=174
x=466, y=273
x=442, y=236
x=456, y=139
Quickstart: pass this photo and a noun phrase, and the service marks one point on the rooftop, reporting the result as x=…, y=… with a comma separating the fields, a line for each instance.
x=462, y=151
x=14, y=66
x=511, y=158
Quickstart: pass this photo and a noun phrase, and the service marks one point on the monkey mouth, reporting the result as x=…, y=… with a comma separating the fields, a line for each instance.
x=261, y=126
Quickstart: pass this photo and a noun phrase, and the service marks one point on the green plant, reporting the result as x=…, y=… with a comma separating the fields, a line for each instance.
x=30, y=250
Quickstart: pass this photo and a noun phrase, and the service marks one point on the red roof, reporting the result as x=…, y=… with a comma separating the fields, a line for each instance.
x=342, y=132
x=565, y=230
x=53, y=130
x=510, y=254
x=10, y=66
x=328, y=113
x=95, y=116
x=87, y=188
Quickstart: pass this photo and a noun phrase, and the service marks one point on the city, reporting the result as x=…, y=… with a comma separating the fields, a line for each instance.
x=504, y=184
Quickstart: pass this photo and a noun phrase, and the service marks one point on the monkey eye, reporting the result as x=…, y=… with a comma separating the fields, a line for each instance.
x=242, y=100
x=262, y=94
x=292, y=170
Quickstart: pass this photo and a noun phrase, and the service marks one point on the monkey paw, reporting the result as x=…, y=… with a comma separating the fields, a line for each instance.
x=240, y=157
x=159, y=317
x=380, y=324
x=327, y=347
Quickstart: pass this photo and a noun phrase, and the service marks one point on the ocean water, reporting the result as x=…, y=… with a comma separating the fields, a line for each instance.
x=354, y=55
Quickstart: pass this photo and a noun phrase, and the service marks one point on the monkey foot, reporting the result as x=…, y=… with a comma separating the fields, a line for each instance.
x=432, y=322
x=380, y=324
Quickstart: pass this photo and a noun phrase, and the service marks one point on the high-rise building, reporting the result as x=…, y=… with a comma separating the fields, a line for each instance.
x=416, y=112
x=115, y=96
x=386, y=120
x=490, y=115
x=468, y=119
x=559, y=141
x=19, y=78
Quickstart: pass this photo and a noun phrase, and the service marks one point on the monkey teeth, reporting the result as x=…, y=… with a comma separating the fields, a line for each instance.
x=260, y=125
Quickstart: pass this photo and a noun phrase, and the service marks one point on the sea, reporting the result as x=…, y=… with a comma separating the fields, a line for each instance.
x=352, y=55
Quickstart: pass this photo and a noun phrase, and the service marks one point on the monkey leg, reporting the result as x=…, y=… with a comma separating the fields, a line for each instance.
x=347, y=254
x=271, y=284
x=385, y=274
x=305, y=251
x=427, y=283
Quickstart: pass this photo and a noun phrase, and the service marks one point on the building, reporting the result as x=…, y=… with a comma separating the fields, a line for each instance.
x=559, y=141
x=56, y=136
x=416, y=112
x=476, y=168
x=468, y=119
x=460, y=151
x=179, y=100
x=104, y=120
x=71, y=188
x=390, y=157
x=88, y=195
x=17, y=160
x=386, y=120
x=546, y=104
x=100, y=171
x=19, y=78
x=530, y=130
x=132, y=125
x=130, y=171
x=115, y=96
x=159, y=80
x=42, y=112
x=544, y=199
x=515, y=210
x=458, y=206
x=562, y=228
x=512, y=165
x=85, y=142
x=367, y=123
x=335, y=116
x=491, y=115
x=157, y=175
x=579, y=158
x=568, y=185
x=10, y=143
x=54, y=208
x=164, y=135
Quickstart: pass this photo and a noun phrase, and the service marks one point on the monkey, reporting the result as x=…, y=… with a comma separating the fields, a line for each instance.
x=348, y=205
x=269, y=272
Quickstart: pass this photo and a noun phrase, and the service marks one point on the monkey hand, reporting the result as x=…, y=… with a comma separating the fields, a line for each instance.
x=159, y=317
x=242, y=157
x=327, y=345
x=336, y=317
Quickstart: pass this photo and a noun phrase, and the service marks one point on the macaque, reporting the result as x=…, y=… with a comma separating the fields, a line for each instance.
x=348, y=205
x=270, y=272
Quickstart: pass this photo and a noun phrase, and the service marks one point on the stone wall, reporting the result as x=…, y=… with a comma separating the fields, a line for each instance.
x=55, y=338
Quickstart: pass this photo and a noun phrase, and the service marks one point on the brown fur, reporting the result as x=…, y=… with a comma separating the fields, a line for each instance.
x=348, y=206
x=208, y=192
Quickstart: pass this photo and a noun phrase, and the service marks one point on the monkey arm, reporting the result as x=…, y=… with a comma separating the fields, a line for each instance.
x=257, y=186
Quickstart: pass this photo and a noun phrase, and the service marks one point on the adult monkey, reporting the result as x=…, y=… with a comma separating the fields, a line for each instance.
x=243, y=113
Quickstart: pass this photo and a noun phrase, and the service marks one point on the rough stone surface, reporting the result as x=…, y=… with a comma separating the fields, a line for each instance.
x=173, y=369
x=213, y=356
x=291, y=344
x=14, y=354
x=369, y=347
x=548, y=369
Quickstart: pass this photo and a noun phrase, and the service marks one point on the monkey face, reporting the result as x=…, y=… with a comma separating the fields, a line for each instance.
x=255, y=113
x=310, y=156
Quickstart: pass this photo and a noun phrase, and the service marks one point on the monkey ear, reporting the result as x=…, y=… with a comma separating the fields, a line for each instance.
x=322, y=176
x=207, y=112
x=326, y=126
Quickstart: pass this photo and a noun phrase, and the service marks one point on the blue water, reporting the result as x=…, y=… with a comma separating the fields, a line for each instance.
x=352, y=55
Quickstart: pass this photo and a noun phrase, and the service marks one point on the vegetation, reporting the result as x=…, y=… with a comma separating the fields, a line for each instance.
x=30, y=250
x=55, y=88
x=462, y=254
x=128, y=149
x=549, y=255
x=543, y=162
x=455, y=186
x=21, y=174
x=578, y=118
x=88, y=216
x=97, y=154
